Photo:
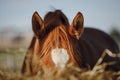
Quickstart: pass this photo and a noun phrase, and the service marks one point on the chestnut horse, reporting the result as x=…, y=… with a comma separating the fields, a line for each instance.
x=57, y=43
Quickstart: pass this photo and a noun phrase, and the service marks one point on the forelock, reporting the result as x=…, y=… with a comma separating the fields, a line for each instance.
x=55, y=18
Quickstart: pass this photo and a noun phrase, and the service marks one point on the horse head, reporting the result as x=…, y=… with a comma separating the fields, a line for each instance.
x=56, y=40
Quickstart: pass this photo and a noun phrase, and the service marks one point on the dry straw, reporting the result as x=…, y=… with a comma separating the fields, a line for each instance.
x=70, y=72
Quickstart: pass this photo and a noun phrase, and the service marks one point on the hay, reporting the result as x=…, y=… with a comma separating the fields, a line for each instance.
x=69, y=73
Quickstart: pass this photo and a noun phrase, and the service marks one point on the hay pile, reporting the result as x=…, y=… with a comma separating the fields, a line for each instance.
x=69, y=73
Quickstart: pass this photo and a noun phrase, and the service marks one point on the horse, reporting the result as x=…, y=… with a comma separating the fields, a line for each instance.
x=56, y=43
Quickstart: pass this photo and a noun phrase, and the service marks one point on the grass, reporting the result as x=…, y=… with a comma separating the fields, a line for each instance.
x=68, y=73
x=11, y=60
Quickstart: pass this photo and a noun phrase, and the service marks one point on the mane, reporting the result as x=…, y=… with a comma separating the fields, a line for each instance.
x=61, y=39
x=54, y=19
x=54, y=39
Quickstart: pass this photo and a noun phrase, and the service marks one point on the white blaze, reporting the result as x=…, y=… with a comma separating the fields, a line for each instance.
x=60, y=57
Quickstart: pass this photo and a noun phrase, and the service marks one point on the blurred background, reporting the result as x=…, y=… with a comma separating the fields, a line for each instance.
x=16, y=31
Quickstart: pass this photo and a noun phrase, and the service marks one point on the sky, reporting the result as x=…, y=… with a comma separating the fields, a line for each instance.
x=101, y=14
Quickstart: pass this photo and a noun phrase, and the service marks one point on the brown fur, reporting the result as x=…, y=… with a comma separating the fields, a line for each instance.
x=84, y=45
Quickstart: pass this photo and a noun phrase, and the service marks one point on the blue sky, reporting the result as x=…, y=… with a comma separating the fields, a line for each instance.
x=102, y=14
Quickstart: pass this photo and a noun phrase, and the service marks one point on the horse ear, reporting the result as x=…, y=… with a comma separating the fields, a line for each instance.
x=37, y=24
x=76, y=27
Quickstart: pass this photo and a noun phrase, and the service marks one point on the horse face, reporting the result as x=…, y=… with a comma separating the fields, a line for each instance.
x=56, y=40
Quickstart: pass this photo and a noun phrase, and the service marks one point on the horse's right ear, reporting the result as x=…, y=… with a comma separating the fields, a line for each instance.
x=37, y=24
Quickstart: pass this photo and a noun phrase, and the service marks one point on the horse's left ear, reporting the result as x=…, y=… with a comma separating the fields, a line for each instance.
x=76, y=27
